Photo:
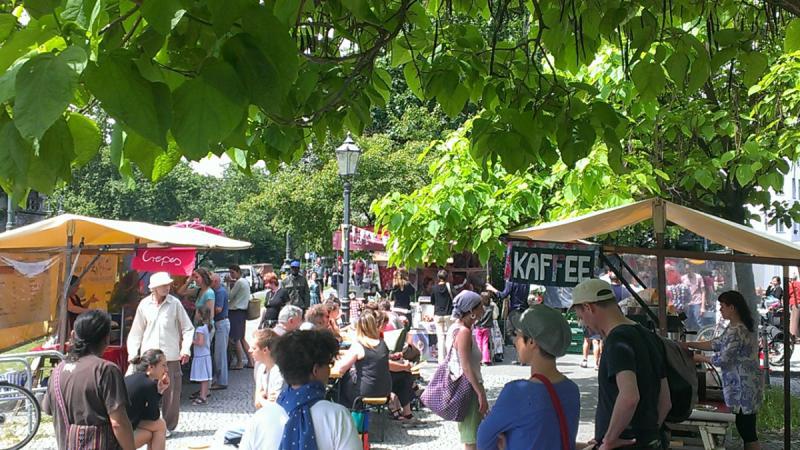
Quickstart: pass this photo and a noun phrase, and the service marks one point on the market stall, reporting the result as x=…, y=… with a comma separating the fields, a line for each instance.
x=37, y=262
x=752, y=246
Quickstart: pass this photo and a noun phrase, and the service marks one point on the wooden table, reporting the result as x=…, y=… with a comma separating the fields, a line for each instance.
x=711, y=421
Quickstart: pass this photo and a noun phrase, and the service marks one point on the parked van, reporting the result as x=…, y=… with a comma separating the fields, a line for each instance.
x=252, y=276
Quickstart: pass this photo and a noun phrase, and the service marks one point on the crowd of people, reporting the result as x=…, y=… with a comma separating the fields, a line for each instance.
x=302, y=353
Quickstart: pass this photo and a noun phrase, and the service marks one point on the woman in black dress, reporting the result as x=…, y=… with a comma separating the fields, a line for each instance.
x=145, y=386
x=402, y=294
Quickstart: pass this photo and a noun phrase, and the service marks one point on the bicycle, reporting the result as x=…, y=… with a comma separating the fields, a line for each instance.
x=20, y=415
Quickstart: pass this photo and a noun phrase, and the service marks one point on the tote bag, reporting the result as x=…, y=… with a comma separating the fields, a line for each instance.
x=448, y=397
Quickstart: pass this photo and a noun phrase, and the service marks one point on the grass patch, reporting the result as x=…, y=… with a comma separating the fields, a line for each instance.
x=26, y=347
x=770, y=415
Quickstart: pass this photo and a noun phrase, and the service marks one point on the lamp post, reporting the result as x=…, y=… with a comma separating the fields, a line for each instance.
x=347, y=156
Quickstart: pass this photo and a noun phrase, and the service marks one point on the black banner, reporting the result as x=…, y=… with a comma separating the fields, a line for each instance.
x=550, y=265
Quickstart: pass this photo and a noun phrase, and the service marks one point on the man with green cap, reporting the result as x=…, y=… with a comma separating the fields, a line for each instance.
x=525, y=415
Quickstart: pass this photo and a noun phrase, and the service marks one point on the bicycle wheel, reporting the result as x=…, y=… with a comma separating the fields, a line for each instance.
x=19, y=416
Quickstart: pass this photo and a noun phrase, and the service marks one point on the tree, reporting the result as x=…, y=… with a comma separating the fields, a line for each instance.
x=467, y=207
x=182, y=78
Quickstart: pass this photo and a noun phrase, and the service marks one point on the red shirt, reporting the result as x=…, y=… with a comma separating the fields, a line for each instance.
x=794, y=293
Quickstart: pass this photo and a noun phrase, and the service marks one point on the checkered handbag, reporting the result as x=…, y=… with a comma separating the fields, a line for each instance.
x=448, y=397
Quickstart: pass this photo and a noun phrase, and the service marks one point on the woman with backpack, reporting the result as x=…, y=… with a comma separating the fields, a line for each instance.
x=736, y=352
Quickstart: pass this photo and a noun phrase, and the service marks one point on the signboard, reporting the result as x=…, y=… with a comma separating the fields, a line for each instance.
x=28, y=288
x=176, y=261
x=362, y=239
x=549, y=263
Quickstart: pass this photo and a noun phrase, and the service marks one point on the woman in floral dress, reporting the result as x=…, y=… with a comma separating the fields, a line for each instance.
x=736, y=352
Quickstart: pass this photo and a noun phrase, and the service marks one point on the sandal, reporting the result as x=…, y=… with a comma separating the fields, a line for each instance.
x=197, y=395
x=584, y=364
x=200, y=401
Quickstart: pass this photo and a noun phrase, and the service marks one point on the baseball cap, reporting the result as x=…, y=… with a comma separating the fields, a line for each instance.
x=548, y=327
x=295, y=264
x=592, y=290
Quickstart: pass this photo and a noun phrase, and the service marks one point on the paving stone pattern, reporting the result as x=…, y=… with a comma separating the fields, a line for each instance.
x=233, y=407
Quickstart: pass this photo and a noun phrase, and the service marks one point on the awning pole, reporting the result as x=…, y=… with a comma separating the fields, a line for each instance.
x=62, y=313
x=659, y=226
x=787, y=405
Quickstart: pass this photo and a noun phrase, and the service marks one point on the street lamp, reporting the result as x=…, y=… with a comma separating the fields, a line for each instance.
x=347, y=156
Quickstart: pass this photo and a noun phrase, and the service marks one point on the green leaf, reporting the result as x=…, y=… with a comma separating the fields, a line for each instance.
x=649, y=79
x=486, y=234
x=754, y=64
x=7, y=24
x=453, y=103
x=280, y=51
x=15, y=156
x=677, y=66
x=141, y=152
x=207, y=109
x=125, y=95
x=86, y=138
x=286, y=10
x=225, y=12
x=699, y=73
x=722, y=57
x=54, y=159
x=39, y=8
x=75, y=57
x=8, y=80
x=704, y=178
x=433, y=227
x=265, y=81
x=162, y=15
x=82, y=12
x=791, y=41
x=44, y=88
x=36, y=32
x=412, y=80
x=744, y=175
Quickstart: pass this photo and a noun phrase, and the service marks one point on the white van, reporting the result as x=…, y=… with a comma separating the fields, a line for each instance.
x=252, y=276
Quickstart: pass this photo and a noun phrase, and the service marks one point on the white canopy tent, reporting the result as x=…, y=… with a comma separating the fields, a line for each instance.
x=755, y=247
x=724, y=232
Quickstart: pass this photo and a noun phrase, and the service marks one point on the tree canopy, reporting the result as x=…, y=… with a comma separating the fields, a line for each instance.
x=263, y=80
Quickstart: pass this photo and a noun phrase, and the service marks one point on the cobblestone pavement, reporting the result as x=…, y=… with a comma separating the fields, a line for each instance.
x=233, y=407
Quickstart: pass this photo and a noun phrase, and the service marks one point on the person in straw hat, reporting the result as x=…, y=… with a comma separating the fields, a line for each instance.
x=161, y=322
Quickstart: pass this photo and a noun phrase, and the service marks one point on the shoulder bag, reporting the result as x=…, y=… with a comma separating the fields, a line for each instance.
x=82, y=437
x=448, y=398
x=562, y=420
x=253, y=308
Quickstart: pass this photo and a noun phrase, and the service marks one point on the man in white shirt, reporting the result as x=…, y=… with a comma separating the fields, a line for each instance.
x=237, y=315
x=304, y=359
x=161, y=322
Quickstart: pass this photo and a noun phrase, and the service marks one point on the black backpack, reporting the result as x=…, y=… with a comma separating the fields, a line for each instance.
x=682, y=379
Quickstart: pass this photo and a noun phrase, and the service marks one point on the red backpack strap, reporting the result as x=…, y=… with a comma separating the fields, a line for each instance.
x=562, y=420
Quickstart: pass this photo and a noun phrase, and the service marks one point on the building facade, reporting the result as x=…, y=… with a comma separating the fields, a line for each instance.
x=35, y=209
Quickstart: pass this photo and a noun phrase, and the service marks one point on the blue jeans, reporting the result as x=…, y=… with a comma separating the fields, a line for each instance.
x=222, y=331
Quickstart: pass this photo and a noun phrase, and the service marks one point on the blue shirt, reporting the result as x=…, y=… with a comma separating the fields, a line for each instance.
x=518, y=293
x=525, y=413
x=221, y=301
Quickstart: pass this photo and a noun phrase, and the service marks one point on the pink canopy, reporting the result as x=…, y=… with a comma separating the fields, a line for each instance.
x=196, y=224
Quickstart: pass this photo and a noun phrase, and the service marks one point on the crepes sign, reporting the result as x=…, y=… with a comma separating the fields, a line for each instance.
x=549, y=263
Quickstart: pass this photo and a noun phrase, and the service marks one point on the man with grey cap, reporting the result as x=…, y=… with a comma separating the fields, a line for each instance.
x=541, y=335
x=633, y=394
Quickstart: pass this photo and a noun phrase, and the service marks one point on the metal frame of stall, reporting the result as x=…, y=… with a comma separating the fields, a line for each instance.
x=662, y=253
